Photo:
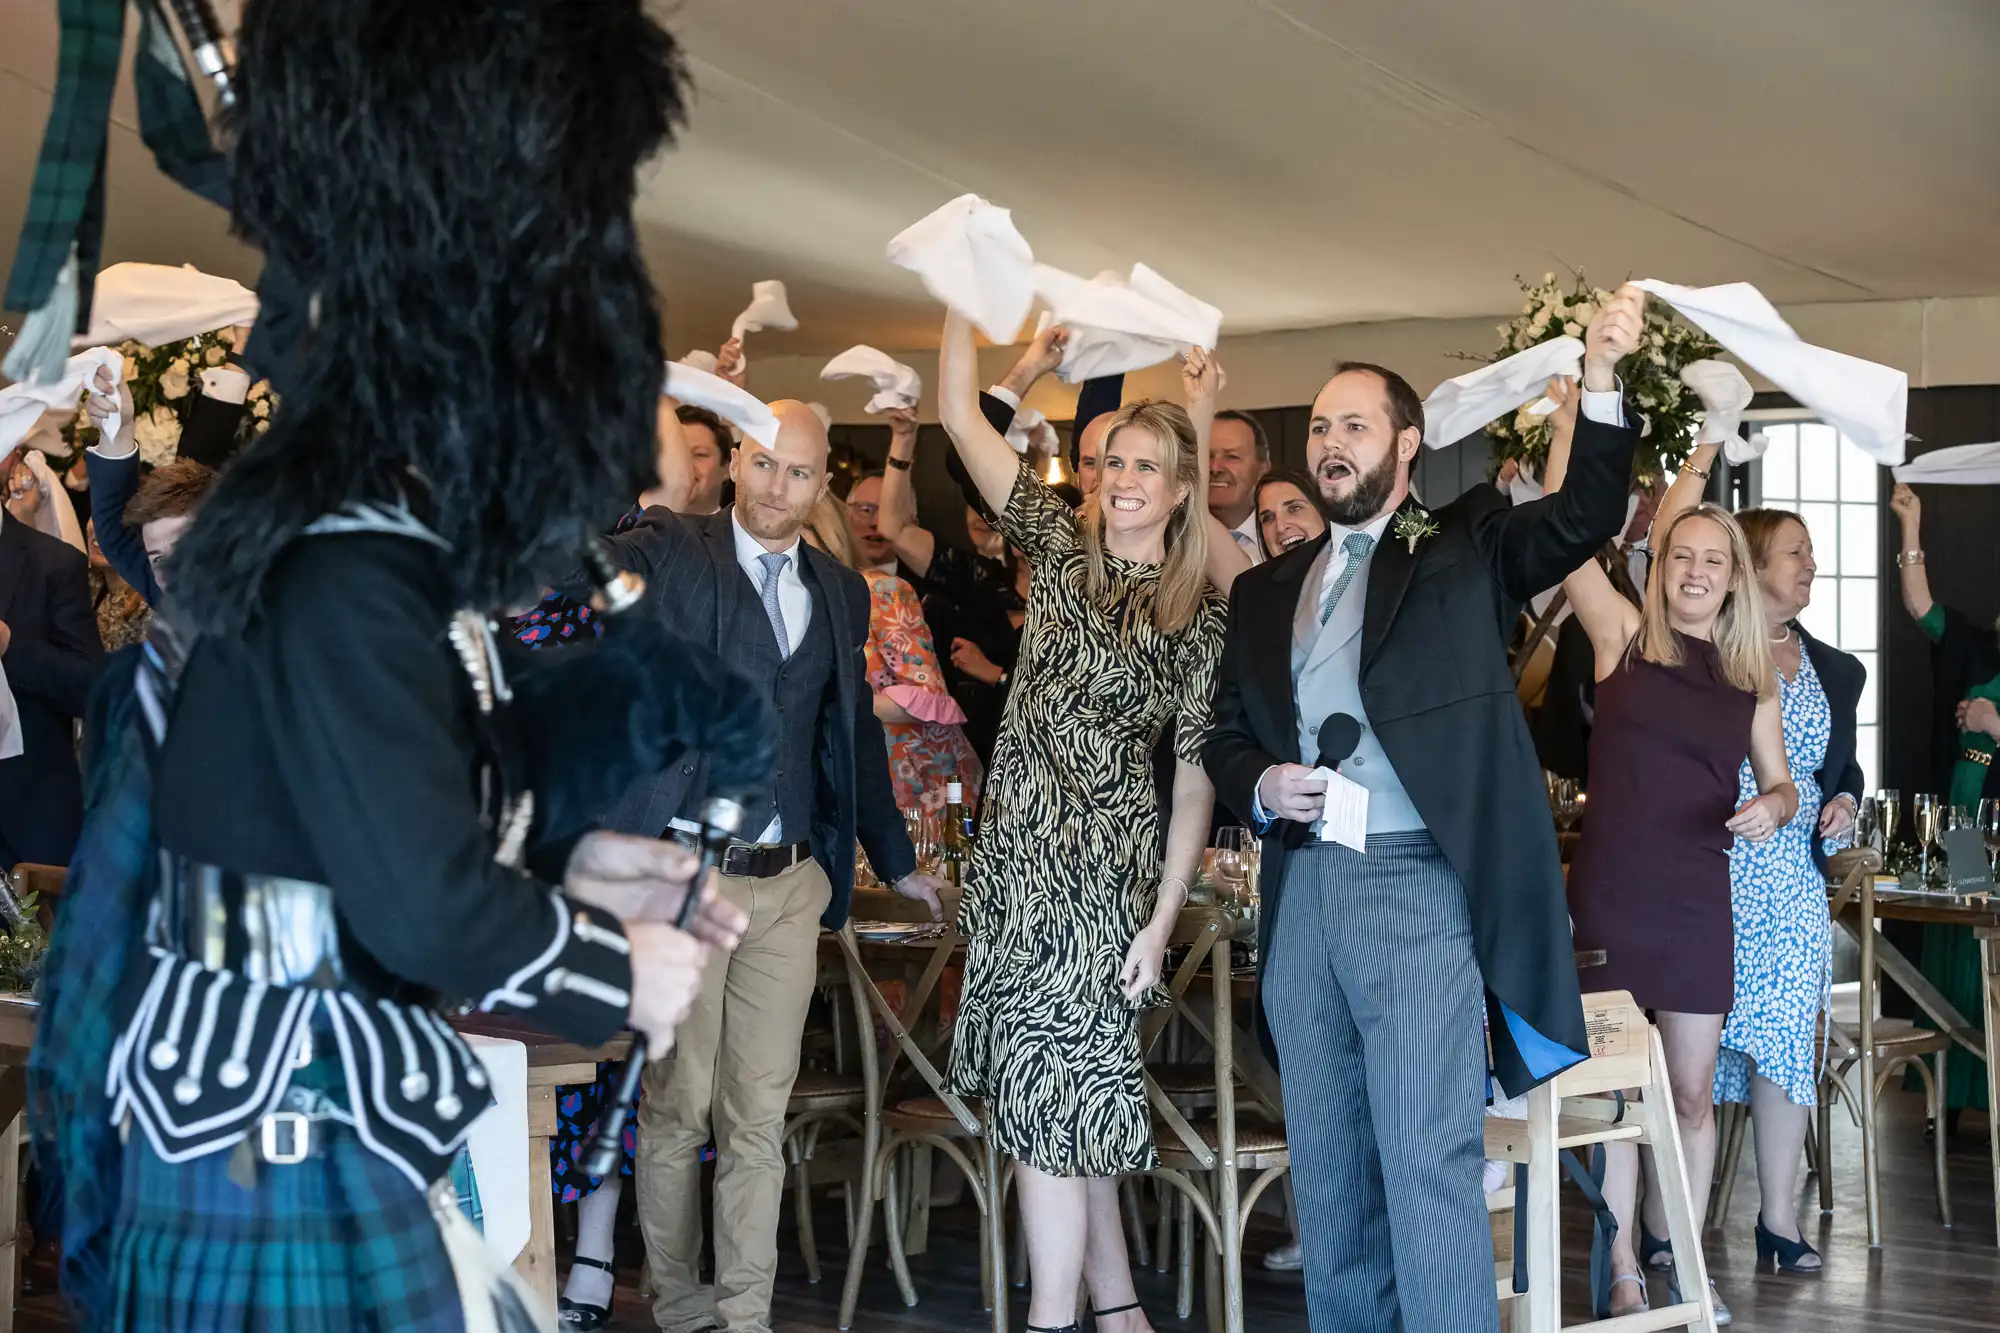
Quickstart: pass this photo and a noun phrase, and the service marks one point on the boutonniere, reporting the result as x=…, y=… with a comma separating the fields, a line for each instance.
x=1413, y=525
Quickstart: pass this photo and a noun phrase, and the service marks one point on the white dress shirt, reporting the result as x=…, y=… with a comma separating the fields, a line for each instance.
x=1250, y=537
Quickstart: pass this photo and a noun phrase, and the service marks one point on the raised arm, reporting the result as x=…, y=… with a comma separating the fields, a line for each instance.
x=112, y=466
x=1562, y=391
x=1777, y=799
x=989, y=460
x=896, y=518
x=674, y=463
x=1201, y=373
x=1915, y=579
x=1532, y=547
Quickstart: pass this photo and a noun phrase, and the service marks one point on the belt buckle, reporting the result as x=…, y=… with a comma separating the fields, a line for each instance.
x=300, y=1134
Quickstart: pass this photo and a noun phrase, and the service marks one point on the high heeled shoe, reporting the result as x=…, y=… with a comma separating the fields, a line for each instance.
x=1789, y=1254
x=1715, y=1302
x=1653, y=1251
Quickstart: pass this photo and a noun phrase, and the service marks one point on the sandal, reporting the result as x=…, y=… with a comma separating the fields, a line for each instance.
x=575, y=1314
x=1645, y=1297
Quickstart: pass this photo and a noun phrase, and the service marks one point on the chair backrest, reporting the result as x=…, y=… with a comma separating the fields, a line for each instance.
x=1206, y=933
x=882, y=905
x=1849, y=868
x=46, y=883
x=1621, y=1054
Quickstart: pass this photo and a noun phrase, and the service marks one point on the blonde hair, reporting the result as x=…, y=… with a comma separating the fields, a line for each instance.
x=1184, y=577
x=829, y=522
x=1741, y=645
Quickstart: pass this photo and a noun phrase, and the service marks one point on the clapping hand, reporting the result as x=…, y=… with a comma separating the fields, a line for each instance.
x=1612, y=336
x=1758, y=819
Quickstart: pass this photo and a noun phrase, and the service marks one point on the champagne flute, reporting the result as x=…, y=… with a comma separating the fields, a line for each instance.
x=1889, y=802
x=1232, y=871
x=1989, y=829
x=1867, y=824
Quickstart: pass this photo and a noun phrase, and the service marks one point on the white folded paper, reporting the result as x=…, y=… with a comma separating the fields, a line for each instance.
x=1466, y=403
x=499, y=1146
x=769, y=308
x=1866, y=402
x=896, y=385
x=1121, y=324
x=736, y=406
x=1961, y=465
x=22, y=405
x=156, y=304
x=971, y=258
x=1346, y=818
x=10, y=712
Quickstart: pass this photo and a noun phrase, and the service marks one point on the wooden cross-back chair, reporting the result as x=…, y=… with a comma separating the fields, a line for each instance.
x=847, y=1097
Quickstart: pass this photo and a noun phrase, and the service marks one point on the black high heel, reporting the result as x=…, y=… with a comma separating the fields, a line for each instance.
x=1788, y=1253
x=1654, y=1252
x=578, y=1316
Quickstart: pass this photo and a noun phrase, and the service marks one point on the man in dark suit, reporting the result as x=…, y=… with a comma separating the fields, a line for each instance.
x=1373, y=961
x=794, y=621
x=49, y=651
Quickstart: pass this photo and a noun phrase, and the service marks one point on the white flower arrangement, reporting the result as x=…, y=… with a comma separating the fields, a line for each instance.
x=1668, y=410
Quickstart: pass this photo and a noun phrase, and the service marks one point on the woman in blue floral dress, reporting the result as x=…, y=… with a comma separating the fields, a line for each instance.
x=1771, y=1054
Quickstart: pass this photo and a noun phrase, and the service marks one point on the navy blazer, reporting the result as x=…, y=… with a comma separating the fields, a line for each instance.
x=1841, y=676
x=113, y=482
x=697, y=589
x=51, y=660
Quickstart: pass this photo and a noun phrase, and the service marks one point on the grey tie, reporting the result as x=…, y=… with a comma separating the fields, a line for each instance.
x=1357, y=546
x=774, y=566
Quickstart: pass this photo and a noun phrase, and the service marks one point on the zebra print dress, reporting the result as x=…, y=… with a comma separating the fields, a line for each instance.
x=1067, y=864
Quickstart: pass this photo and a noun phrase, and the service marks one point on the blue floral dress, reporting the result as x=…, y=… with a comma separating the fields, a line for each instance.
x=1784, y=940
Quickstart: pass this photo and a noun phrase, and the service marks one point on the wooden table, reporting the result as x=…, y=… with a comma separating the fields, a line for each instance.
x=550, y=1063
x=1982, y=917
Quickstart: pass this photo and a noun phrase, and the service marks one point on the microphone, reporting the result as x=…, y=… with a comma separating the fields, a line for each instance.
x=1339, y=737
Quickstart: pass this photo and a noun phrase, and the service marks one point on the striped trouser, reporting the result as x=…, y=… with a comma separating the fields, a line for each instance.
x=1374, y=997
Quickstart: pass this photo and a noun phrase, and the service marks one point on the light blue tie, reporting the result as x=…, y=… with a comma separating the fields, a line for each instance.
x=774, y=567
x=1357, y=546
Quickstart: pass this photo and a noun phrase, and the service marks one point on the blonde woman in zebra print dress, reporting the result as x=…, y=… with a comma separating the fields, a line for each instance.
x=1069, y=902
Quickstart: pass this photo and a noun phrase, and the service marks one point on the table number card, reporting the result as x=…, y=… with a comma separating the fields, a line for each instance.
x=1966, y=858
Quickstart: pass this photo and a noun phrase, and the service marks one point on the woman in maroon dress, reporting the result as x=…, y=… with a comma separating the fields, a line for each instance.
x=1685, y=689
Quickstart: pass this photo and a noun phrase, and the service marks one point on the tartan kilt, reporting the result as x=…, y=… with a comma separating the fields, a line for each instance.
x=341, y=1241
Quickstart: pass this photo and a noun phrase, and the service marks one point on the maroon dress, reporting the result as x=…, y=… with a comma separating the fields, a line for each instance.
x=1649, y=883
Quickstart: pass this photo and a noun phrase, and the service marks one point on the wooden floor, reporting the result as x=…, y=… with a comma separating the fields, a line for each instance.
x=1924, y=1279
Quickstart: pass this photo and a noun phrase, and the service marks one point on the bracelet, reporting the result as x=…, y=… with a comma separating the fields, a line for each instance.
x=1690, y=467
x=1174, y=879
x=1904, y=559
x=900, y=464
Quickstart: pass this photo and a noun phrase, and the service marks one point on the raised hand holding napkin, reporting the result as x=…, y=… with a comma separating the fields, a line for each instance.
x=736, y=406
x=1119, y=325
x=896, y=385
x=22, y=405
x=1466, y=403
x=971, y=258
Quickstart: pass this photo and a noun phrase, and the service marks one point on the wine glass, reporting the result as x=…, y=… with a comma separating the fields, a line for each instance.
x=1232, y=864
x=1867, y=824
x=1566, y=799
x=1889, y=802
x=1989, y=829
x=1924, y=813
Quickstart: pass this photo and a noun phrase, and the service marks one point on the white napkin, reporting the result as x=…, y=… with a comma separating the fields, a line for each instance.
x=1466, y=403
x=1525, y=486
x=700, y=360
x=1029, y=427
x=22, y=405
x=499, y=1146
x=156, y=304
x=1119, y=325
x=768, y=309
x=10, y=712
x=1961, y=465
x=971, y=258
x=896, y=385
x=736, y=406
x=1863, y=401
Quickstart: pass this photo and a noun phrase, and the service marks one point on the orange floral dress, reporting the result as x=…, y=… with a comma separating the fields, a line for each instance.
x=902, y=663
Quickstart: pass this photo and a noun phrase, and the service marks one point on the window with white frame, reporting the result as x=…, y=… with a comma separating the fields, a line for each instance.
x=1836, y=489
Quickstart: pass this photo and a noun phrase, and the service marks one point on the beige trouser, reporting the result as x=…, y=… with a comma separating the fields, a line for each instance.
x=734, y=1059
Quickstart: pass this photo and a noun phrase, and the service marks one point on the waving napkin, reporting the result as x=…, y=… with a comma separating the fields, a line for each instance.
x=971, y=258
x=1863, y=401
x=1961, y=465
x=1725, y=395
x=156, y=304
x=701, y=360
x=896, y=385
x=769, y=308
x=1118, y=325
x=1465, y=403
x=736, y=406
x=22, y=405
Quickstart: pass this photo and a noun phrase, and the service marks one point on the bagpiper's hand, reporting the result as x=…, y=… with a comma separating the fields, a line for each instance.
x=646, y=879
x=667, y=970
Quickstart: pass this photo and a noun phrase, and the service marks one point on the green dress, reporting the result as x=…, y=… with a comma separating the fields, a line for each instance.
x=1951, y=955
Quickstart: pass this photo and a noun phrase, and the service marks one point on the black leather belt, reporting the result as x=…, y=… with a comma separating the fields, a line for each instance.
x=755, y=860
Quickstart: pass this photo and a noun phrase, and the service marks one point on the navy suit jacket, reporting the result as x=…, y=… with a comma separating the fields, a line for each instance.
x=113, y=481
x=697, y=589
x=51, y=659
x=1841, y=676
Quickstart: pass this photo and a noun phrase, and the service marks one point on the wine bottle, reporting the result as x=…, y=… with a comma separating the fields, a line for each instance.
x=957, y=834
